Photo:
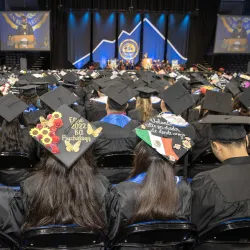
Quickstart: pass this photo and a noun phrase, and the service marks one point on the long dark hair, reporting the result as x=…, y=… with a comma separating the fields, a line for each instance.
x=237, y=105
x=56, y=195
x=11, y=137
x=158, y=195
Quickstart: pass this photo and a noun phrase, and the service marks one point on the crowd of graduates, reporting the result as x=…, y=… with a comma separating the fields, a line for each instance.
x=168, y=178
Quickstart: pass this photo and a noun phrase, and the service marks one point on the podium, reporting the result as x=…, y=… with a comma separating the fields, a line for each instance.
x=147, y=63
x=23, y=41
x=236, y=45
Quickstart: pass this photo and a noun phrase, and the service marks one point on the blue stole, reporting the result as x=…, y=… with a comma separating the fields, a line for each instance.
x=51, y=87
x=30, y=109
x=116, y=119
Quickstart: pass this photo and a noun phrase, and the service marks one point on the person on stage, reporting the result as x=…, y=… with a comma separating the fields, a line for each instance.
x=25, y=28
x=239, y=31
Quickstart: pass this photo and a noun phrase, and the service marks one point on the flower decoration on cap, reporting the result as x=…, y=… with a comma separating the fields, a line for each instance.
x=45, y=131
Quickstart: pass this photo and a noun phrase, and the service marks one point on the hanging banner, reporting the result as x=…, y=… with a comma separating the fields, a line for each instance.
x=178, y=31
x=154, y=35
x=129, y=36
x=79, y=38
x=104, y=32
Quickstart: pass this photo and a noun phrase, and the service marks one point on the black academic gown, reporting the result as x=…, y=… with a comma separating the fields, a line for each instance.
x=137, y=115
x=115, y=139
x=221, y=194
x=15, y=177
x=124, y=201
x=95, y=111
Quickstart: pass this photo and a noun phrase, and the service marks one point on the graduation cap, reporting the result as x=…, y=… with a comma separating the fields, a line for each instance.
x=177, y=98
x=101, y=83
x=217, y=101
x=233, y=87
x=226, y=128
x=70, y=77
x=162, y=134
x=245, y=98
x=146, y=92
x=119, y=92
x=28, y=90
x=11, y=107
x=22, y=83
x=65, y=134
x=200, y=79
x=159, y=85
x=147, y=77
x=57, y=97
x=32, y=118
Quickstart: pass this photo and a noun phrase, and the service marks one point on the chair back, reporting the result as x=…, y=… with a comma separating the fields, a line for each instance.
x=7, y=242
x=235, y=231
x=160, y=234
x=61, y=236
x=14, y=160
x=207, y=157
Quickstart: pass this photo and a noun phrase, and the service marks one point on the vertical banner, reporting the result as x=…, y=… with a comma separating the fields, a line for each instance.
x=154, y=35
x=178, y=31
x=129, y=36
x=79, y=38
x=104, y=37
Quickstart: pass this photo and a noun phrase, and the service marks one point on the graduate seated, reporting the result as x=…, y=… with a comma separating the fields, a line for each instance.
x=14, y=138
x=223, y=193
x=117, y=133
x=151, y=193
x=66, y=189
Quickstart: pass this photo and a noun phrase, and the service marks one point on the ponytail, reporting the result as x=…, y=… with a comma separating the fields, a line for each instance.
x=158, y=195
x=145, y=106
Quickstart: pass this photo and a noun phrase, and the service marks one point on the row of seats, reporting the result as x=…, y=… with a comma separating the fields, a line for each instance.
x=161, y=234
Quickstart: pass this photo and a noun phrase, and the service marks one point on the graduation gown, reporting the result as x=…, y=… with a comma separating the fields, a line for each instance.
x=15, y=177
x=221, y=194
x=137, y=115
x=125, y=197
x=95, y=110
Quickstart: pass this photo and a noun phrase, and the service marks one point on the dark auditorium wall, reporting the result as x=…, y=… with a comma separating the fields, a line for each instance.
x=202, y=26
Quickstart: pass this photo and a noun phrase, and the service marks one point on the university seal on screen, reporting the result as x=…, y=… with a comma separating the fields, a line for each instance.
x=129, y=49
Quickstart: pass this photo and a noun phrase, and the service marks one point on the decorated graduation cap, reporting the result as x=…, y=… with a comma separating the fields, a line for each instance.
x=161, y=133
x=177, y=98
x=218, y=102
x=225, y=128
x=57, y=97
x=245, y=98
x=11, y=107
x=65, y=134
x=119, y=93
x=146, y=92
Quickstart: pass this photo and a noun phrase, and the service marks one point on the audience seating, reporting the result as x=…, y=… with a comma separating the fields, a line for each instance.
x=232, y=234
x=116, y=166
x=6, y=242
x=14, y=160
x=160, y=234
x=61, y=236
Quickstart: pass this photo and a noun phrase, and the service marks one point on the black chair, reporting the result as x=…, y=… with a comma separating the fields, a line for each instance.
x=232, y=234
x=207, y=157
x=116, y=166
x=15, y=160
x=6, y=242
x=61, y=237
x=174, y=234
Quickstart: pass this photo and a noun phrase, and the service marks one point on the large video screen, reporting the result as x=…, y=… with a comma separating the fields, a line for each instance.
x=232, y=34
x=25, y=31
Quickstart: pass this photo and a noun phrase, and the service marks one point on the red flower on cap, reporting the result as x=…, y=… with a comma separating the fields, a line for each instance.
x=39, y=126
x=53, y=129
x=52, y=133
x=55, y=149
x=203, y=90
x=55, y=139
x=58, y=123
x=39, y=137
x=49, y=116
x=221, y=69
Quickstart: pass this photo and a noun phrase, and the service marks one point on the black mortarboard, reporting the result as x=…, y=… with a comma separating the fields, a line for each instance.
x=217, y=101
x=146, y=92
x=28, y=90
x=233, y=87
x=159, y=85
x=57, y=97
x=177, y=98
x=101, y=83
x=65, y=134
x=226, y=128
x=161, y=134
x=147, y=77
x=119, y=92
x=21, y=83
x=200, y=79
x=11, y=107
x=70, y=77
x=245, y=98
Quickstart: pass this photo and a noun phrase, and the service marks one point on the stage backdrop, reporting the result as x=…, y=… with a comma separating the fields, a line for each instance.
x=79, y=38
x=104, y=37
x=121, y=34
x=25, y=30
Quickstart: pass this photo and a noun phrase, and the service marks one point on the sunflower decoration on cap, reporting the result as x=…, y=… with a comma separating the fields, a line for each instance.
x=45, y=131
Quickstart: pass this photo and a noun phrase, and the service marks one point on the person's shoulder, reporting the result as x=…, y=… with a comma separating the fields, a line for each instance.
x=203, y=179
x=126, y=188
